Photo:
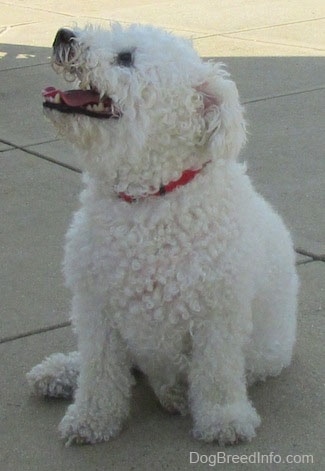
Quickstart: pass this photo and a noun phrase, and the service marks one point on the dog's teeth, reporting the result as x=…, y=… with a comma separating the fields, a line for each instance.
x=89, y=107
x=57, y=98
x=100, y=106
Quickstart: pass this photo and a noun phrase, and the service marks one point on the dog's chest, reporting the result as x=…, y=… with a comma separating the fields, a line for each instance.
x=150, y=268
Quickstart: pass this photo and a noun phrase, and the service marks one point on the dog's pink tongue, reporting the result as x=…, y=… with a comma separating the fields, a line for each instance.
x=80, y=97
x=73, y=97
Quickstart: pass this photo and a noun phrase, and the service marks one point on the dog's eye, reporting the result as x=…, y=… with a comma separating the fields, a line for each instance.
x=124, y=59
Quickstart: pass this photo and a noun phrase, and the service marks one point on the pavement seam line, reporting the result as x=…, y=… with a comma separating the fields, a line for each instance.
x=18, y=25
x=274, y=43
x=313, y=256
x=283, y=95
x=277, y=25
x=27, y=66
x=258, y=28
x=40, y=156
x=51, y=12
x=29, y=333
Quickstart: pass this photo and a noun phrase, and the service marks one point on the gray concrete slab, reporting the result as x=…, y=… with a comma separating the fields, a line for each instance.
x=209, y=17
x=22, y=121
x=291, y=407
x=309, y=35
x=16, y=13
x=287, y=167
x=237, y=46
x=20, y=56
x=276, y=55
x=58, y=150
x=258, y=78
x=4, y=147
x=37, y=199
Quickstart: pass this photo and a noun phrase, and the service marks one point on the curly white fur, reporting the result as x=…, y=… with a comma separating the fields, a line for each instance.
x=197, y=287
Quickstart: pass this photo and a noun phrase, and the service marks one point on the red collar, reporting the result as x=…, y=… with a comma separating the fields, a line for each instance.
x=186, y=177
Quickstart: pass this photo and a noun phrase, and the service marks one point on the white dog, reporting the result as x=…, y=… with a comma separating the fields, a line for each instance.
x=176, y=264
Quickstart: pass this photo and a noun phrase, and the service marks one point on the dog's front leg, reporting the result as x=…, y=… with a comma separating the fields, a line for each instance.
x=218, y=399
x=104, y=387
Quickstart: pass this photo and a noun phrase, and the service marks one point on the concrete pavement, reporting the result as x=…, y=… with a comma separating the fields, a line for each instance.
x=275, y=52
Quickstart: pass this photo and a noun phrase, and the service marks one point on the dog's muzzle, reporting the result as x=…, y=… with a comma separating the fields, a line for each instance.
x=84, y=100
x=63, y=46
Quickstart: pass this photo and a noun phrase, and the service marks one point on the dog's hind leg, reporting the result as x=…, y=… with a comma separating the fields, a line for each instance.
x=172, y=397
x=274, y=329
x=167, y=375
x=56, y=376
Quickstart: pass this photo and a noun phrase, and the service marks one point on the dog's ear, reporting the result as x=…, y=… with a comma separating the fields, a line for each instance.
x=225, y=131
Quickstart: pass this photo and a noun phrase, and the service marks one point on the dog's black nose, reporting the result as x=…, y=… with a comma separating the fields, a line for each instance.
x=63, y=37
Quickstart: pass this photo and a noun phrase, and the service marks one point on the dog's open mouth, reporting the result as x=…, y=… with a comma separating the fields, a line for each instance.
x=86, y=102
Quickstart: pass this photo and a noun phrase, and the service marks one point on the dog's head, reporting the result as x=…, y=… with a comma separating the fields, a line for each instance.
x=143, y=104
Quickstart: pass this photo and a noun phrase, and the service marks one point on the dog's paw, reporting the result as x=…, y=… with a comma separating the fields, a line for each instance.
x=228, y=425
x=174, y=399
x=81, y=429
x=56, y=376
